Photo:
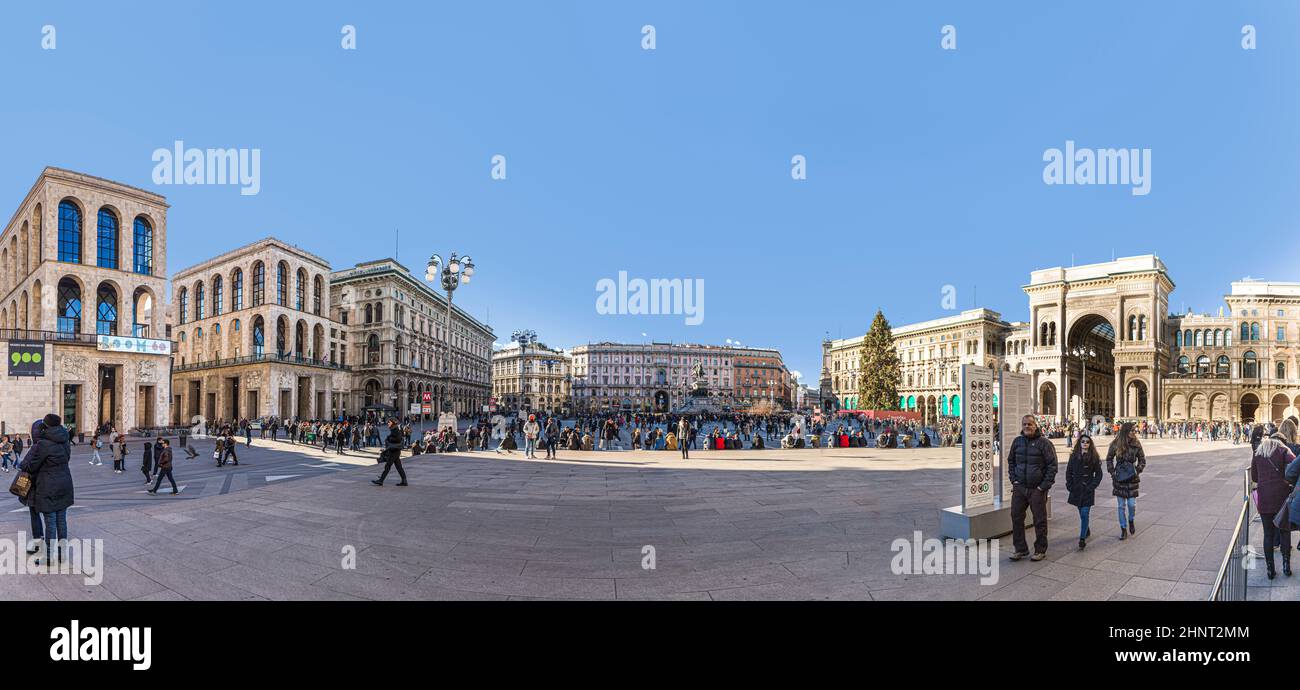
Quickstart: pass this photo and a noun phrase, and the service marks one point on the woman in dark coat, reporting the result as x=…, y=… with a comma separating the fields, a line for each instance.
x=1125, y=462
x=1082, y=477
x=51, y=491
x=1268, y=473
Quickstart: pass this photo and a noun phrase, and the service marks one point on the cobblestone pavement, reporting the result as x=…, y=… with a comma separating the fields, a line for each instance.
x=773, y=524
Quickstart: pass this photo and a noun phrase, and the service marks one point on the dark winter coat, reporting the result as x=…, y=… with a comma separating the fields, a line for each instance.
x=1127, y=489
x=47, y=463
x=1293, y=476
x=1267, y=468
x=1031, y=462
x=1081, y=480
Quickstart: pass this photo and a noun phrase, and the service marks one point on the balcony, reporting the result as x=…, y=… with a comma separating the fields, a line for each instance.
x=262, y=358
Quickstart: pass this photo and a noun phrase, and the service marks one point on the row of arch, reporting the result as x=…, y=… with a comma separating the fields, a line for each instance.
x=1223, y=366
x=108, y=245
x=71, y=318
x=193, y=300
x=464, y=400
x=1218, y=337
x=198, y=346
x=1218, y=407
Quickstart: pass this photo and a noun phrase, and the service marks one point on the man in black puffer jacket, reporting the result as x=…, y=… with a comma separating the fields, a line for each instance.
x=51, y=490
x=392, y=454
x=1031, y=466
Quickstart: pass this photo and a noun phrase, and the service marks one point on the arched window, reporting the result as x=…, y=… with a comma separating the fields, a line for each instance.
x=1218, y=338
x=1183, y=363
x=218, y=296
x=1178, y=339
x=1051, y=333
x=379, y=311
x=69, y=319
x=282, y=284
x=1222, y=366
x=300, y=291
x=1254, y=331
x=184, y=305
x=200, y=305
x=141, y=313
x=1142, y=327
x=69, y=232
x=316, y=289
x=1249, y=366
x=370, y=314
x=1042, y=334
x=259, y=336
x=106, y=240
x=106, y=311
x=299, y=339
x=1132, y=327
x=1227, y=337
x=281, y=336
x=1202, y=365
x=1245, y=331
x=237, y=290
x=1199, y=338
x=1281, y=371
x=142, y=247
x=259, y=284
x=372, y=349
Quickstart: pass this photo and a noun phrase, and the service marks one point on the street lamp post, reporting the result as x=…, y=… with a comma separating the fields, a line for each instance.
x=455, y=272
x=1084, y=353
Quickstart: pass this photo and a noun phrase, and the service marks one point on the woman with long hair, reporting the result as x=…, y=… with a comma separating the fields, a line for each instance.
x=1125, y=462
x=1082, y=477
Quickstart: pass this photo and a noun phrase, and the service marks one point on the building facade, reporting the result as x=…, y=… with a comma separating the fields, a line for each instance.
x=83, y=265
x=656, y=377
x=930, y=355
x=255, y=338
x=400, y=345
x=1241, y=363
x=532, y=378
x=1100, y=342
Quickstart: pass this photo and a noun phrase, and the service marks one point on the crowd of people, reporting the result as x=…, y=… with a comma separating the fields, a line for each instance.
x=1032, y=468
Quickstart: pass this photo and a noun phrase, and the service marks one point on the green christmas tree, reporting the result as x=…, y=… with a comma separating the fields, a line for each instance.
x=878, y=385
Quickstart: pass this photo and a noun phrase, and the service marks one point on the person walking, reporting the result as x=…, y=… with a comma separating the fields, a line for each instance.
x=95, y=444
x=164, y=468
x=1125, y=462
x=229, y=451
x=392, y=454
x=51, y=491
x=1031, y=467
x=148, y=460
x=684, y=437
x=1268, y=468
x=1082, y=477
x=118, y=448
x=6, y=453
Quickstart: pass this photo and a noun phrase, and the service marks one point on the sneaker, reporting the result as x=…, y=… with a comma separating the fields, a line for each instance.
x=151, y=492
x=1038, y=556
x=1019, y=555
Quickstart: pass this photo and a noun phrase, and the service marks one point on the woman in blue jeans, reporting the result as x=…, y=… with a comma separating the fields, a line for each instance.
x=1082, y=477
x=1125, y=462
x=51, y=490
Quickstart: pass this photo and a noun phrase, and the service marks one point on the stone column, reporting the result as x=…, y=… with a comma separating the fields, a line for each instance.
x=1119, y=391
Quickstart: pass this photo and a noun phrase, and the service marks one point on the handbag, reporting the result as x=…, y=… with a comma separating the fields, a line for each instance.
x=1282, y=520
x=1124, y=471
x=21, y=485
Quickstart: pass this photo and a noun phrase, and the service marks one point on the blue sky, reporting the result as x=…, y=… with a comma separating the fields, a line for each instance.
x=924, y=165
